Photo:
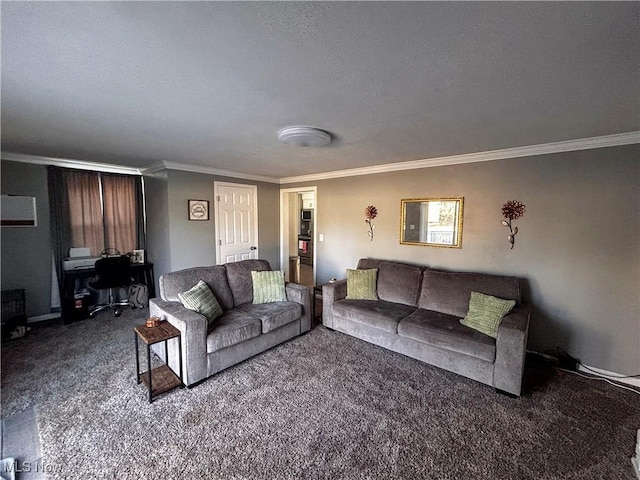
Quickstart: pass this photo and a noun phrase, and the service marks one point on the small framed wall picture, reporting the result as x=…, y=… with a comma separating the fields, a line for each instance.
x=137, y=256
x=198, y=210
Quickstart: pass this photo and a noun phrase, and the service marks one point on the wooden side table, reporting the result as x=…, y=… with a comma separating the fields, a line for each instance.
x=163, y=378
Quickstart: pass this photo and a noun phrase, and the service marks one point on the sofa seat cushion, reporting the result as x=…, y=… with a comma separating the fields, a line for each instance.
x=446, y=332
x=273, y=315
x=374, y=313
x=232, y=328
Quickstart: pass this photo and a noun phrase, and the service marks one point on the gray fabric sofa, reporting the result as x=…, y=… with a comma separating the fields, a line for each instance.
x=244, y=329
x=418, y=314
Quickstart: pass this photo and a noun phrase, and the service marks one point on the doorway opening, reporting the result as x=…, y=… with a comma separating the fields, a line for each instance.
x=298, y=234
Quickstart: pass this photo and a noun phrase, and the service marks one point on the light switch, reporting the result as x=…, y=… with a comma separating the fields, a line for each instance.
x=321, y=237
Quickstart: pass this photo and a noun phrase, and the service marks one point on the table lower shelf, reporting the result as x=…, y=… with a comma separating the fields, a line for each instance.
x=162, y=380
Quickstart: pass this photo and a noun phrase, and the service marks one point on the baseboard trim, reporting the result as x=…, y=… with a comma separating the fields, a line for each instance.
x=42, y=318
x=634, y=382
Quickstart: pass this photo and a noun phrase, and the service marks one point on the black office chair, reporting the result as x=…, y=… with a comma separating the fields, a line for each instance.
x=111, y=273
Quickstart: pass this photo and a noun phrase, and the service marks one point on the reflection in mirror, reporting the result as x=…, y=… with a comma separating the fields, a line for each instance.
x=435, y=222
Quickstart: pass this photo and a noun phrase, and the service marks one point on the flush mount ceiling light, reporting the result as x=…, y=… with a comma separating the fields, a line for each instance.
x=304, y=137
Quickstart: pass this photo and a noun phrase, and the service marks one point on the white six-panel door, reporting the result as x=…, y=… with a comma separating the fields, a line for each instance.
x=236, y=221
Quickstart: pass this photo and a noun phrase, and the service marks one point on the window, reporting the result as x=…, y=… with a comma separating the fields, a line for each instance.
x=95, y=210
x=85, y=211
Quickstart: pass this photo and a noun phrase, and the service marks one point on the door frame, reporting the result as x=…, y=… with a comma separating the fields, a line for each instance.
x=216, y=210
x=285, y=227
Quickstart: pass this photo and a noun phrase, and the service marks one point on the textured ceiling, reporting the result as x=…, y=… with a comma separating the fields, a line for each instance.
x=210, y=83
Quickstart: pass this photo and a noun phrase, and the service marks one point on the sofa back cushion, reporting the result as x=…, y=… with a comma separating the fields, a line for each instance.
x=397, y=282
x=449, y=292
x=240, y=281
x=171, y=284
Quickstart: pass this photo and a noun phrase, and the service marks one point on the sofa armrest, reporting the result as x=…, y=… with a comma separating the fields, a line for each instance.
x=302, y=295
x=331, y=293
x=511, y=349
x=193, y=327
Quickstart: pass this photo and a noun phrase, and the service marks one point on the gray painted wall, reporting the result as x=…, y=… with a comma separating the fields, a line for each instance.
x=26, y=251
x=178, y=243
x=578, y=246
x=158, y=222
x=192, y=243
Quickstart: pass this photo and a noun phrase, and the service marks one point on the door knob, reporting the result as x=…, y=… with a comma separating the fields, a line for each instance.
x=253, y=247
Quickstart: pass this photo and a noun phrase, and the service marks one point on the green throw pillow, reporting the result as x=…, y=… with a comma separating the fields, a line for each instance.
x=486, y=312
x=268, y=286
x=361, y=284
x=202, y=300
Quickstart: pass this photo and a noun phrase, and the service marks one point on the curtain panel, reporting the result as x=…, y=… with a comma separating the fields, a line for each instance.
x=60, y=218
x=120, y=216
x=85, y=210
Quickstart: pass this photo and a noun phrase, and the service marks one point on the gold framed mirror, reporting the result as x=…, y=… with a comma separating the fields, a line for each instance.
x=431, y=222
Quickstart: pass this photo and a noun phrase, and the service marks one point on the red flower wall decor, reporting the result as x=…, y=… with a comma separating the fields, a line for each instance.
x=370, y=213
x=512, y=210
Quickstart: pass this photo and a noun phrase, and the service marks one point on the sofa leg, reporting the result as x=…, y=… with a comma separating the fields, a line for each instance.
x=502, y=392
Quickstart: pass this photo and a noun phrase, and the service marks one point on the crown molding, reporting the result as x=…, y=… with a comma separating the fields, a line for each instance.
x=156, y=167
x=615, y=140
x=68, y=163
x=605, y=141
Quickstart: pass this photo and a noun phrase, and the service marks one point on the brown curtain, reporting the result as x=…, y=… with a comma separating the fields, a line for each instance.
x=119, y=193
x=59, y=217
x=85, y=210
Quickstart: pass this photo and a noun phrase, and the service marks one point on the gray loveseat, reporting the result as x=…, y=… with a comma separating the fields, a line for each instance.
x=418, y=314
x=244, y=329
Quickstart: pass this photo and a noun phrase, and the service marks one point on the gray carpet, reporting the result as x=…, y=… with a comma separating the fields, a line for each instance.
x=323, y=405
